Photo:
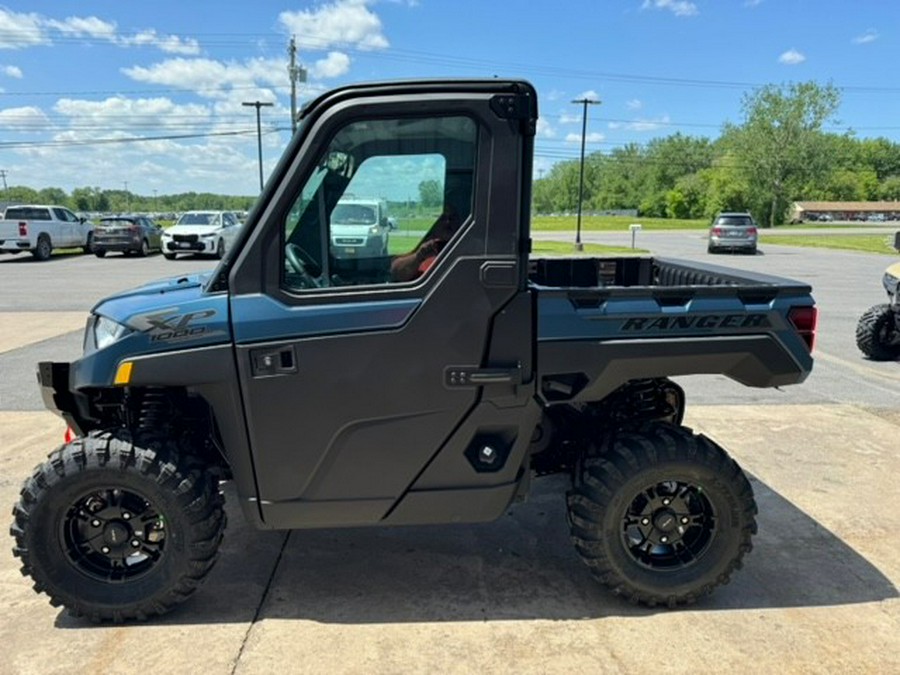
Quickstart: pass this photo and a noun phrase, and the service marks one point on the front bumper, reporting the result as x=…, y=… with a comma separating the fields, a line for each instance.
x=58, y=397
x=198, y=245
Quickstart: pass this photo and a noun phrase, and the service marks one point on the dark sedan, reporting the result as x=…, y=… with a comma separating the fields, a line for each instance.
x=127, y=234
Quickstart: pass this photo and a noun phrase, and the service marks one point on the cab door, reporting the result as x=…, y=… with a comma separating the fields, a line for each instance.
x=354, y=381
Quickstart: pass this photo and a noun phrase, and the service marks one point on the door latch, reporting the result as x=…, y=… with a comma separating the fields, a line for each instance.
x=269, y=362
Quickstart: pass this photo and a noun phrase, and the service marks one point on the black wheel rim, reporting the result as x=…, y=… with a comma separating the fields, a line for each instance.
x=114, y=535
x=668, y=525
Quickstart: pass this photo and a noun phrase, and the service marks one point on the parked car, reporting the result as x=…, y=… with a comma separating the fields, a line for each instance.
x=732, y=232
x=127, y=235
x=39, y=229
x=205, y=232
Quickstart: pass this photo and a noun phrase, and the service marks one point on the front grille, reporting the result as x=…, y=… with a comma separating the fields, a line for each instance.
x=185, y=238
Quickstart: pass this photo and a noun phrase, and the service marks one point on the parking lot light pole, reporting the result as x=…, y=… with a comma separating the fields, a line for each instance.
x=258, y=105
x=584, y=102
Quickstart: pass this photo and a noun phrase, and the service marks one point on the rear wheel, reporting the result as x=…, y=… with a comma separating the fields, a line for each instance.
x=169, y=256
x=115, y=531
x=663, y=517
x=144, y=250
x=89, y=243
x=43, y=249
x=100, y=253
x=876, y=333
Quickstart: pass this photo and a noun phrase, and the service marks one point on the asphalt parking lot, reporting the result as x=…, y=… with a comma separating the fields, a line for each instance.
x=818, y=593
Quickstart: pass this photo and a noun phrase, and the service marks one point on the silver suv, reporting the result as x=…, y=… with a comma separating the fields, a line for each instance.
x=732, y=232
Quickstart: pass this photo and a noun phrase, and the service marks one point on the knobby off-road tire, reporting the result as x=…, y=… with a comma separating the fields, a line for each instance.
x=663, y=517
x=114, y=531
x=876, y=332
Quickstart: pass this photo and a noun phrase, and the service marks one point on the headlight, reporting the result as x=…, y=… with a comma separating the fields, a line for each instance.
x=107, y=331
x=208, y=235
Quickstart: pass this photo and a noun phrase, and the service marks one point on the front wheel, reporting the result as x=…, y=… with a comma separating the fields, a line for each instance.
x=115, y=531
x=89, y=243
x=877, y=334
x=663, y=517
x=220, y=250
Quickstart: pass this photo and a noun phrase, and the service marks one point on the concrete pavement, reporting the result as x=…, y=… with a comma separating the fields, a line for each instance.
x=818, y=593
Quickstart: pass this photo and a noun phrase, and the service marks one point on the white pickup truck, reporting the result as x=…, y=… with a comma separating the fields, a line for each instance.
x=40, y=229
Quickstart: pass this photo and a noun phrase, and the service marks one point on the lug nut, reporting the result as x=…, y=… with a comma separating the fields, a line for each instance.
x=126, y=516
x=105, y=549
x=135, y=543
x=666, y=501
x=685, y=520
x=645, y=521
x=95, y=523
x=664, y=539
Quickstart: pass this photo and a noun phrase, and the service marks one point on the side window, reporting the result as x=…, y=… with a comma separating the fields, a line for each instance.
x=386, y=198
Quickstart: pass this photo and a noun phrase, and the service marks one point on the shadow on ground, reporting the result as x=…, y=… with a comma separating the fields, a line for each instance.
x=520, y=567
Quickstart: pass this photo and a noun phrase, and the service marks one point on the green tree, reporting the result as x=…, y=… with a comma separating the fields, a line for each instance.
x=889, y=190
x=430, y=193
x=779, y=145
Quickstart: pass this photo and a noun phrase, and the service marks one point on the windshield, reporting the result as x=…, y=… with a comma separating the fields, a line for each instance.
x=354, y=214
x=197, y=219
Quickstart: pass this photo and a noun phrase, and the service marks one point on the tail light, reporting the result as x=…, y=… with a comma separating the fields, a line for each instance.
x=751, y=231
x=717, y=231
x=69, y=436
x=805, y=320
x=23, y=229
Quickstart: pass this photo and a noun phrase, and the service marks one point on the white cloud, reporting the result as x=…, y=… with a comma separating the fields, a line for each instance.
x=569, y=118
x=84, y=27
x=642, y=125
x=677, y=7
x=18, y=31
x=593, y=137
x=334, y=65
x=29, y=30
x=869, y=36
x=13, y=71
x=120, y=112
x=28, y=118
x=792, y=57
x=590, y=95
x=171, y=44
x=634, y=104
x=211, y=78
x=544, y=129
x=341, y=23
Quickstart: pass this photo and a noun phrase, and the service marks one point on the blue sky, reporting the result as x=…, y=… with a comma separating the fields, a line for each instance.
x=81, y=82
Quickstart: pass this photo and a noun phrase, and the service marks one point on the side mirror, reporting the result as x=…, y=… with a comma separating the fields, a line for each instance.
x=897, y=240
x=393, y=225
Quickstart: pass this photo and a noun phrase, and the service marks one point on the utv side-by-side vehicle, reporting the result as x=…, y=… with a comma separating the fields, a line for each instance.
x=335, y=392
x=878, y=329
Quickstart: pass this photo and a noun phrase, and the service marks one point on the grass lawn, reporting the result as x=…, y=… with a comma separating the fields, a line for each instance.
x=866, y=243
x=612, y=223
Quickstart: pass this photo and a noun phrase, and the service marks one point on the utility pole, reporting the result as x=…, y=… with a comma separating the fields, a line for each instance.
x=258, y=105
x=3, y=173
x=296, y=74
x=584, y=102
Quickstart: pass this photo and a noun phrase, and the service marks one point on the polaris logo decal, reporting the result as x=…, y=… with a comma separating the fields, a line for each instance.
x=705, y=321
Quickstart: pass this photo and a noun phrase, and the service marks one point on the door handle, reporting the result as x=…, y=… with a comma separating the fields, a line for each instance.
x=269, y=362
x=469, y=376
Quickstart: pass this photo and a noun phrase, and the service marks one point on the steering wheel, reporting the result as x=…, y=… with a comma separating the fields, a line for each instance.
x=300, y=262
